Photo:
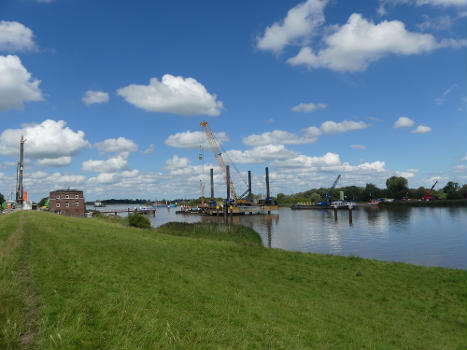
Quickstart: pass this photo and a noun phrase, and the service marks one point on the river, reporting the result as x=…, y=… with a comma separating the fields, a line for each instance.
x=423, y=236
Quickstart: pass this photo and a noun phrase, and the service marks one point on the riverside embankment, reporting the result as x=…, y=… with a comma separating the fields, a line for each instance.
x=90, y=283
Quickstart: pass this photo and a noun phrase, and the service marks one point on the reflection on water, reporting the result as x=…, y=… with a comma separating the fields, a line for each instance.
x=425, y=236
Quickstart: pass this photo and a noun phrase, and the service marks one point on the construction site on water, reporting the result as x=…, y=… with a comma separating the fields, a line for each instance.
x=233, y=204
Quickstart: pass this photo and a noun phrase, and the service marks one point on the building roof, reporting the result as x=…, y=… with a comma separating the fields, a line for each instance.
x=67, y=190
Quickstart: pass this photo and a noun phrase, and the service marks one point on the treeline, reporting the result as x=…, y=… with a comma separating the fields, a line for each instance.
x=396, y=188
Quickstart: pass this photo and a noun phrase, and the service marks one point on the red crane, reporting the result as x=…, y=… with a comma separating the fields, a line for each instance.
x=427, y=196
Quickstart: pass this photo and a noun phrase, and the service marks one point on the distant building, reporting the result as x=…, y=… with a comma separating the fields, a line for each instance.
x=67, y=202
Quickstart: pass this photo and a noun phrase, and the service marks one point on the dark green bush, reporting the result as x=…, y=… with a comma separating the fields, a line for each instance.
x=139, y=220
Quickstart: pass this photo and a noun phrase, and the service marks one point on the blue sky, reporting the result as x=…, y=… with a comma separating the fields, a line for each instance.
x=110, y=94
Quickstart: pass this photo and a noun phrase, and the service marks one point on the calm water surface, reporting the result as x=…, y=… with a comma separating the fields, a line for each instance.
x=423, y=236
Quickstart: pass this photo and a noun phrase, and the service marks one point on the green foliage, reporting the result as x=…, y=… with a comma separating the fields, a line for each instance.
x=106, y=286
x=42, y=202
x=2, y=199
x=397, y=187
x=452, y=190
x=236, y=233
x=315, y=197
x=139, y=220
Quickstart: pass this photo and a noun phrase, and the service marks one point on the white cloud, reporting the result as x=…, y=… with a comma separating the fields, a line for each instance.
x=260, y=154
x=331, y=127
x=406, y=174
x=16, y=84
x=299, y=23
x=55, y=162
x=177, y=162
x=441, y=3
x=308, y=107
x=442, y=99
x=111, y=165
x=277, y=137
x=438, y=23
x=103, y=178
x=177, y=95
x=464, y=159
x=421, y=129
x=14, y=36
x=460, y=167
x=117, y=145
x=91, y=97
x=358, y=146
x=281, y=137
x=193, y=139
x=151, y=148
x=50, y=139
x=355, y=45
x=403, y=122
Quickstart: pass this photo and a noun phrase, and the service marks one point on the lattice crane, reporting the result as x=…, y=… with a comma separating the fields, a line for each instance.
x=218, y=155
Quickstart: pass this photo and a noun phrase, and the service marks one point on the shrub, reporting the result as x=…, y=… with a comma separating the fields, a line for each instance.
x=139, y=220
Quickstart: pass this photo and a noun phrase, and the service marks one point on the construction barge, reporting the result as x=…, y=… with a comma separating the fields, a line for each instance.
x=234, y=210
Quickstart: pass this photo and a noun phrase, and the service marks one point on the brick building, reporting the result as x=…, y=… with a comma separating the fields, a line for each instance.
x=67, y=202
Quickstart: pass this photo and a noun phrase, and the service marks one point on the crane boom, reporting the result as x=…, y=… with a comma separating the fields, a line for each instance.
x=329, y=194
x=218, y=155
x=432, y=188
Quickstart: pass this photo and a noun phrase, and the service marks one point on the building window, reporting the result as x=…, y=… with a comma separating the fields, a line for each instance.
x=57, y=196
x=67, y=196
x=77, y=203
x=76, y=196
x=67, y=204
x=58, y=205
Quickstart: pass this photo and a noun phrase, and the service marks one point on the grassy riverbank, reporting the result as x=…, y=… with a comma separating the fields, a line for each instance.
x=90, y=283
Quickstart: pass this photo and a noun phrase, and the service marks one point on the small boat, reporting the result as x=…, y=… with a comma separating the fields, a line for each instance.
x=98, y=204
x=343, y=204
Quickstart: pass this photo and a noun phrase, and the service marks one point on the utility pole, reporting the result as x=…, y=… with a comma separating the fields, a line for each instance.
x=19, y=178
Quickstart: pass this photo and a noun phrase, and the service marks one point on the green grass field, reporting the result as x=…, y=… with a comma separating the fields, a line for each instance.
x=73, y=283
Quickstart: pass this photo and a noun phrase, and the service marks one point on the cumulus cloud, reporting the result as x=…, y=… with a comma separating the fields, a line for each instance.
x=111, y=165
x=403, y=122
x=277, y=137
x=173, y=94
x=177, y=162
x=355, y=45
x=50, y=139
x=16, y=84
x=193, y=139
x=92, y=97
x=308, y=107
x=118, y=145
x=299, y=23
x=103, y=178
x=310, y=134
x=260, y=154
x=331, y=127
x=421, y=129
x=15, y=36
x=55, y=162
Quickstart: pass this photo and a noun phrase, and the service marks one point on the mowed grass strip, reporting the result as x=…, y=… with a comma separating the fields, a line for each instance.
x=103, y=285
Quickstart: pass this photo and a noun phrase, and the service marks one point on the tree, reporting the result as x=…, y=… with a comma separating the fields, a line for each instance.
x=452, y=190
x=42, y=202
x=397, y=187
x=371, y=192
x=2, y=199
x=315, y=197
